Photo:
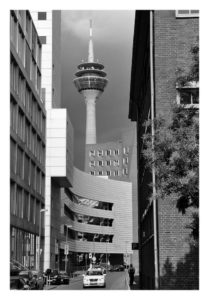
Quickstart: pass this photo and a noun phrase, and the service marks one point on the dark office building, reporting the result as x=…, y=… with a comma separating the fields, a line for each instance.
x=27, y=139
x=162, y=43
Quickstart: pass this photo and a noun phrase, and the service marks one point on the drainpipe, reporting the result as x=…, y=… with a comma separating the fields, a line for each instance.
x=156, y=261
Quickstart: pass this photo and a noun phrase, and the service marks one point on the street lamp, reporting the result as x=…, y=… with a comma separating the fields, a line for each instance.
x=66, y=249
x=39, y=244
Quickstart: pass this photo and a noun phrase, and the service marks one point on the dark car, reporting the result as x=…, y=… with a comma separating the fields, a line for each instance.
x=53, y=276
x=17, y=283
x=118, y=268
x=65, y=279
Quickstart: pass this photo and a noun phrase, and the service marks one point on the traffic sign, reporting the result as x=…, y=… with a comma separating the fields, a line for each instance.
x=66, y=249
x=90, y=255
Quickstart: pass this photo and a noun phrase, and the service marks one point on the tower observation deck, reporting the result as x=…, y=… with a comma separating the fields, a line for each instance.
x=90, y=81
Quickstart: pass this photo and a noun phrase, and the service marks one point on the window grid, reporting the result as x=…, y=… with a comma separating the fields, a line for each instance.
x=92, y=153
x=100, y=153
x=108, y=152
x=187, y=13
x=100, y=163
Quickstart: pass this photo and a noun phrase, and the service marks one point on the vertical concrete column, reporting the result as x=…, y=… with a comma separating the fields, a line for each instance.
x=47, y=227
x=90, y=121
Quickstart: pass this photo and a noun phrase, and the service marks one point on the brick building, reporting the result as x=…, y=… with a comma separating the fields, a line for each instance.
x=162, y=43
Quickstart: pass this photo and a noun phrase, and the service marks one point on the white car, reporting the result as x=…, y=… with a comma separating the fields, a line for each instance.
x=94, y=277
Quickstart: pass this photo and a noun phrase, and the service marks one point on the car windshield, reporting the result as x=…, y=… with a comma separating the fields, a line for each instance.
x=94, y=272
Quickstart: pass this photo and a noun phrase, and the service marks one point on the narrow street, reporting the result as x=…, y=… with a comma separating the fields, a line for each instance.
x=114, y=281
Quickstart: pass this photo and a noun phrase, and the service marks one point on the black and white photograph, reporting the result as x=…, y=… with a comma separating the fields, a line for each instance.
x=103, y=149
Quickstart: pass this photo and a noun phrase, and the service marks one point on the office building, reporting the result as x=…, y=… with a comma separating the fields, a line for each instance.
x=59, y=132
x=96, y=221
x=162, y=44
x=27, y=140
x=110, y=159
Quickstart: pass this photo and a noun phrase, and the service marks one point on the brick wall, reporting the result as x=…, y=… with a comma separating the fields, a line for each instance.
x=173, y=39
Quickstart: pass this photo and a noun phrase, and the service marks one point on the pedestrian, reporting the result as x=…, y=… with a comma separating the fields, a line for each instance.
x=131, y=272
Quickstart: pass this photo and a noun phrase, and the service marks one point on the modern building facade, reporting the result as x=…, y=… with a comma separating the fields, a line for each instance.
x=108, y=159
x=96, y=221
x=27, y=140
x=59, y=132
x=162, y=43
x=90, y=81
x=118, y=161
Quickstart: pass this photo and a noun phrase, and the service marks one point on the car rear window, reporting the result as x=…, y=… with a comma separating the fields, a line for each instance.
x=94, y=273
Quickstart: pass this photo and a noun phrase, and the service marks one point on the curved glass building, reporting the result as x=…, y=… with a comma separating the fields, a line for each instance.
x=96, y=221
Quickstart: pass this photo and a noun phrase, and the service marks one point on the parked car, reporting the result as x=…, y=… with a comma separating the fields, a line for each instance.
x=117, y=268
x=94, y=277
x=17, y=283
x=33, y=278
x=65, y=279
x=53, y=276
x=38, y=276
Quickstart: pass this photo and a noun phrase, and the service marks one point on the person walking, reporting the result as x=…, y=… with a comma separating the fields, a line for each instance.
x=131, y=272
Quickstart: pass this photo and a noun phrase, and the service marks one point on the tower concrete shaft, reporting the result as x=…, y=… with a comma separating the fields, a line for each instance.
x=90, y=81
x=90, y=101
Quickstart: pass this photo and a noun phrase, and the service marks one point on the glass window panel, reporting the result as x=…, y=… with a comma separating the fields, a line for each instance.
x=19, y=162
x=41, y=15
x=13, y=155
x=21, y=46
x=185, y=97
x=26, y=205
x=13, y=198
x=28, y=26
x=42, y=40
x=28, y=60
x=13, y=115
x=21, y=127
x=34, y=41
x=19, y=202
x=32, y=200
x=13, y=30
x=195, y=96
x=42, y=184
x=183, y=12
x=26, y=169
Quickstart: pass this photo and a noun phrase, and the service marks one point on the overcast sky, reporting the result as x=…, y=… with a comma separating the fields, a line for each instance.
x=112, y=38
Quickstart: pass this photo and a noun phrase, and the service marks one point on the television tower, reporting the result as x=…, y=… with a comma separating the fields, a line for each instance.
x=90, y=81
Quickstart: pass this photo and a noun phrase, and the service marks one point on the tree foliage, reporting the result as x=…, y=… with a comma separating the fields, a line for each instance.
x=176, y=153
x=193, y=75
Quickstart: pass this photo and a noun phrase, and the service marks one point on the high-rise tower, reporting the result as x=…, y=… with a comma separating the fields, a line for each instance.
x=90, y=81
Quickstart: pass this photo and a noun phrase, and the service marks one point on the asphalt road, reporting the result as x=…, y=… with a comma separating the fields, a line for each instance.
x=114, y=281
